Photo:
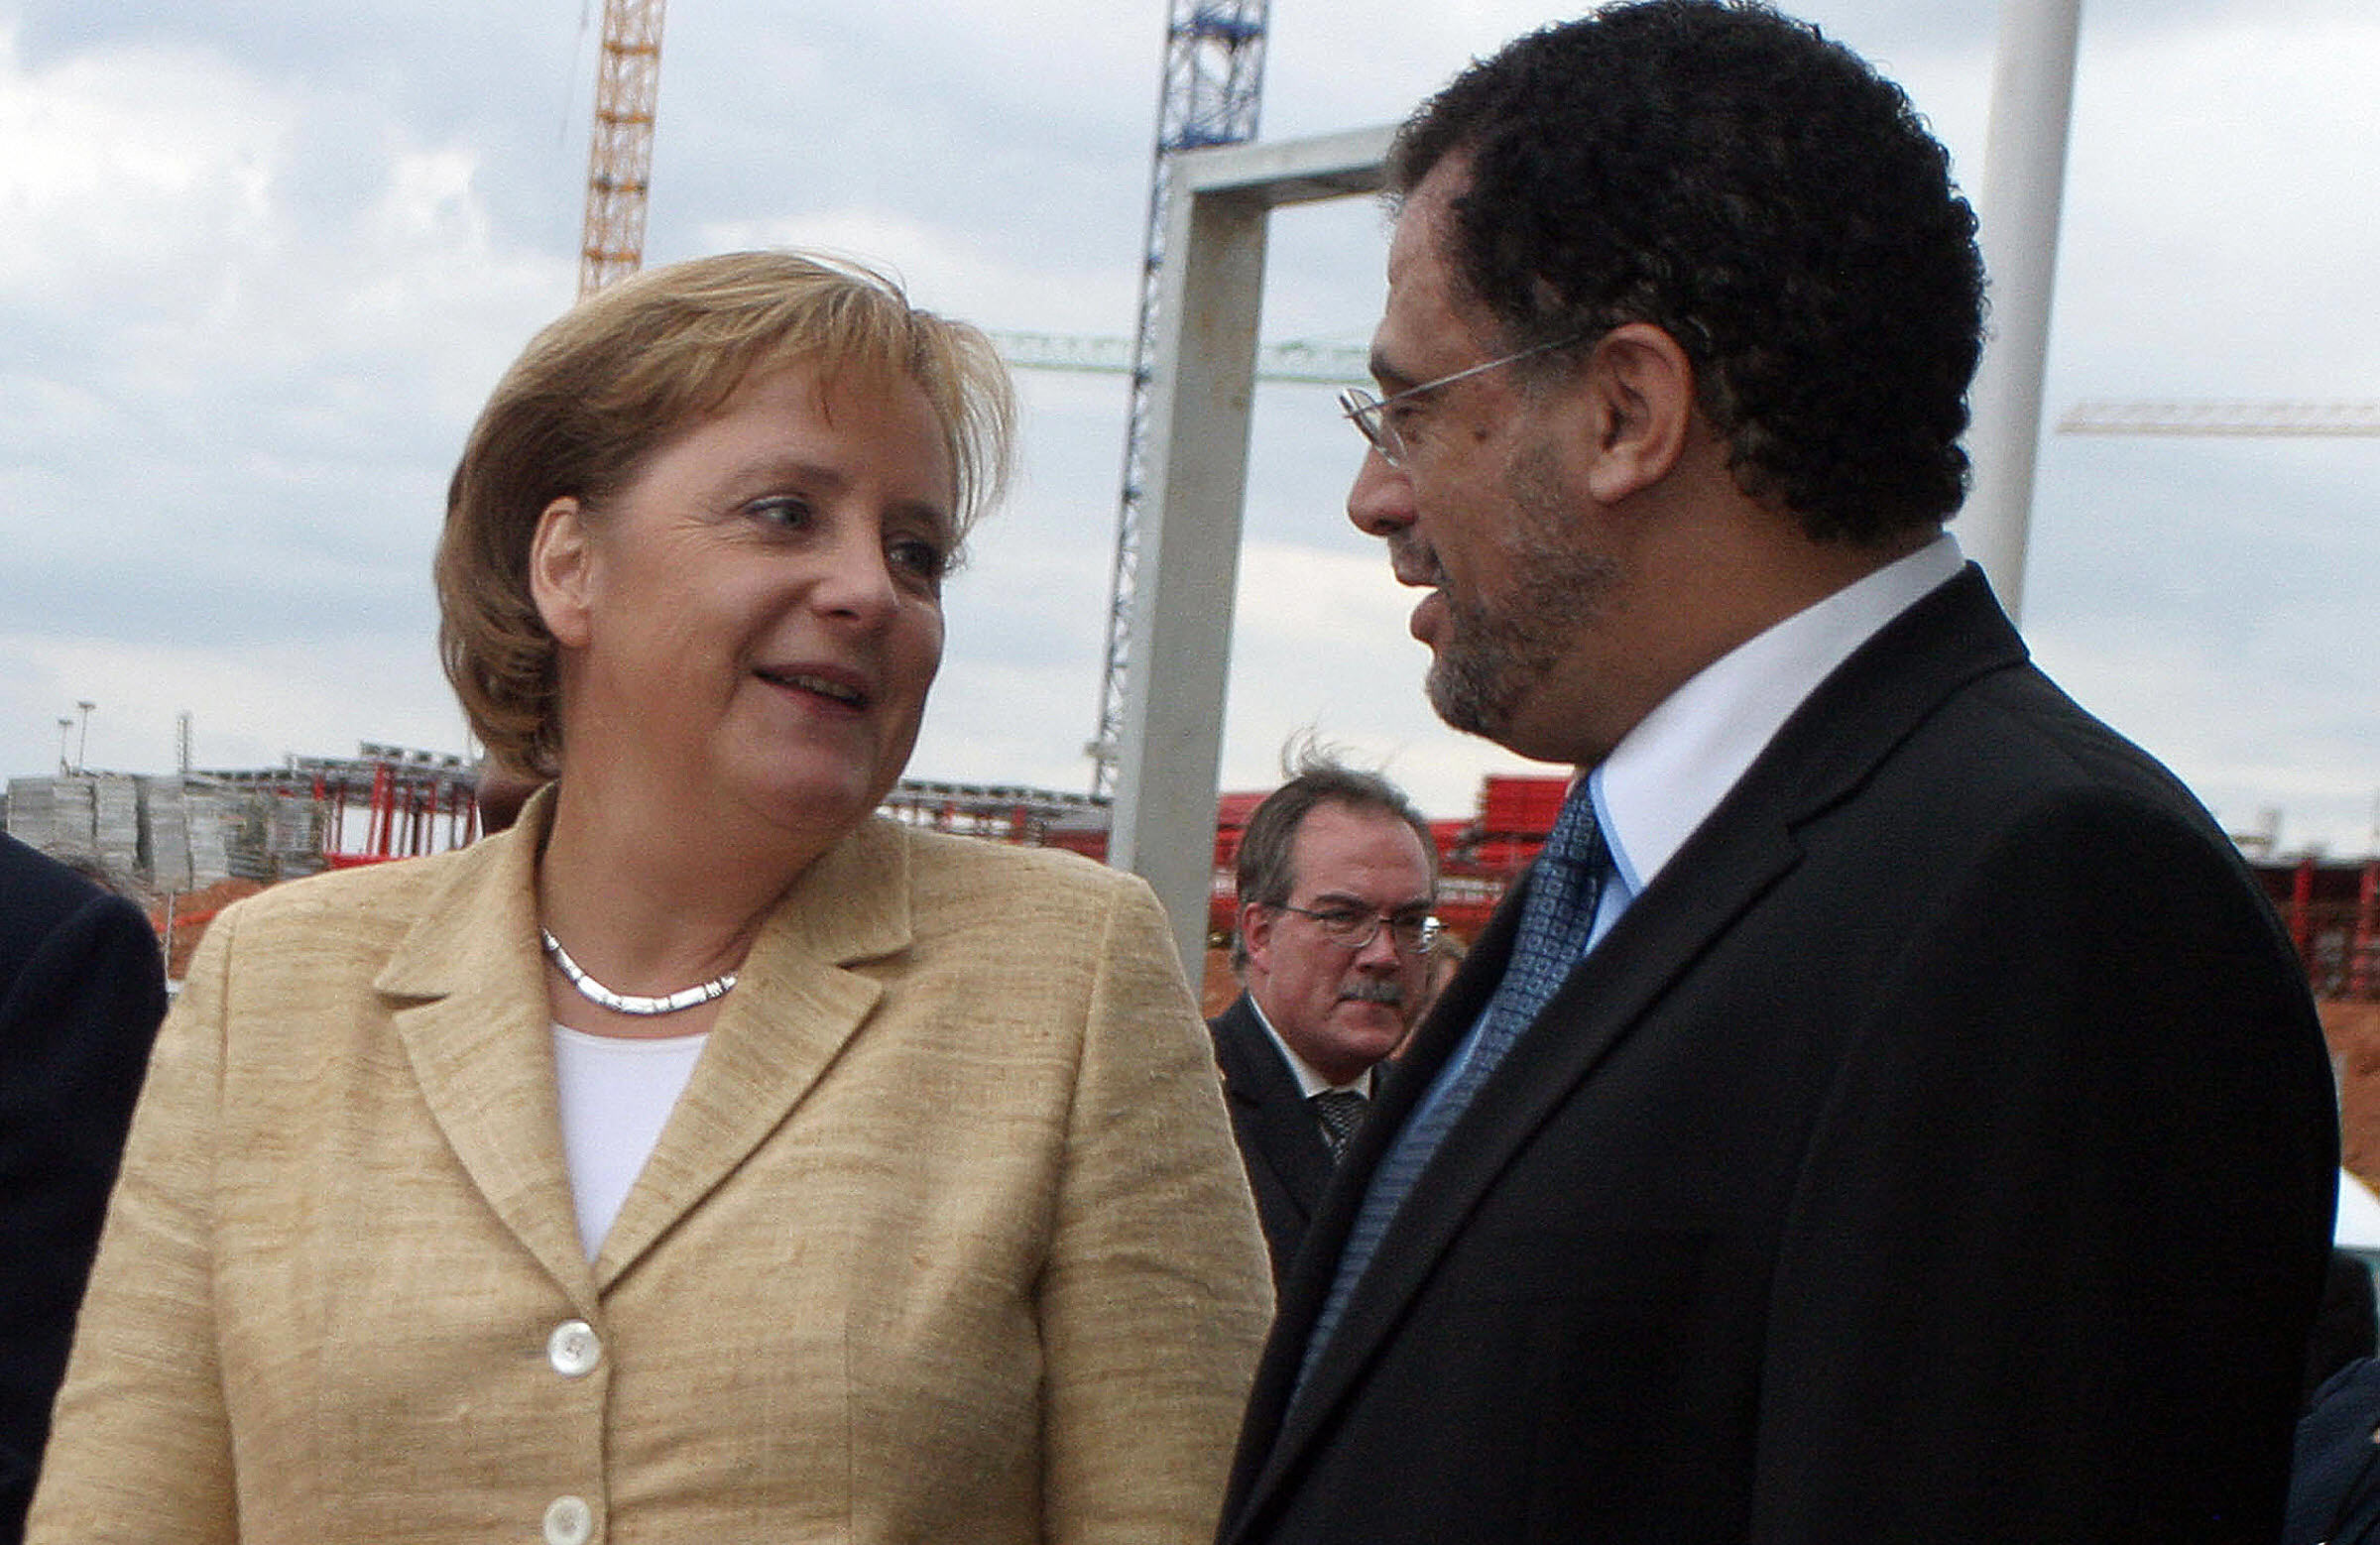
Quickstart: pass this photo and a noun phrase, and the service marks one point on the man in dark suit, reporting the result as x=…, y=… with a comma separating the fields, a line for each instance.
x=81, y=991
x=1336, y=872
x=1888, y=1112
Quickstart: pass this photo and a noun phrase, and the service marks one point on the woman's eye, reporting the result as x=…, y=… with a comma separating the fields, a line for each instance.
x=788, y=512
x=920, y=558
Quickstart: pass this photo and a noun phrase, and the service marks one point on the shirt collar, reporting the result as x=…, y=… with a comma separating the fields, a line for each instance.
x=1670, y=772
x=1309, y=1082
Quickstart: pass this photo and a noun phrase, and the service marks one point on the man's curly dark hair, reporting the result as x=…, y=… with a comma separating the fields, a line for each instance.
x=1757, y=191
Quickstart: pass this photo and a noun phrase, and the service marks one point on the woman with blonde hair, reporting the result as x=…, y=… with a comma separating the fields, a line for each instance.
x=704, y=1158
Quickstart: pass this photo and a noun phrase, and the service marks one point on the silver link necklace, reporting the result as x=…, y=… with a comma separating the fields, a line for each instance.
x=602, y=997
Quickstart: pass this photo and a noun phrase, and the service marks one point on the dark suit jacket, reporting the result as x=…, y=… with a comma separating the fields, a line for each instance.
x=1281, y=1142
x=2334, y=1489
x=81, y=991
x=1940, y=1149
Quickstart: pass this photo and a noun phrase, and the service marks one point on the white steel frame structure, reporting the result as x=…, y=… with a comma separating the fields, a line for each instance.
x=1203, y=383
x=1203, y=378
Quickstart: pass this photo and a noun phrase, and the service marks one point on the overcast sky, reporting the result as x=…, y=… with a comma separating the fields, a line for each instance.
x=264, y=260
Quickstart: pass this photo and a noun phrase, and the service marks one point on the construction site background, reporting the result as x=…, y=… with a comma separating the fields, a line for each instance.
x=186, y=845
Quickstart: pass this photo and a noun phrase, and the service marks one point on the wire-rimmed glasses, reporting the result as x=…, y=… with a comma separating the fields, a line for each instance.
x=1369, y=414
x=1353, y=927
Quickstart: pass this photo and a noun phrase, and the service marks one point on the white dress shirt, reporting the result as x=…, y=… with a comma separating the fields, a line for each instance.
x=1309, y=1082
x=1668, y=774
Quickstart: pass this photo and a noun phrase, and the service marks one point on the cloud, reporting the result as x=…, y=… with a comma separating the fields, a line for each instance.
x=227, y=424
x=266, y=260
x=136, y=166
x=2210, y=252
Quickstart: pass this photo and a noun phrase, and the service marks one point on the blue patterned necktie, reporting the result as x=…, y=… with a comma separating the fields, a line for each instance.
x=1554, y=923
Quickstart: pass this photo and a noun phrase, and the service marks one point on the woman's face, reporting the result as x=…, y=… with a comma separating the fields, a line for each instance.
x=752, y=622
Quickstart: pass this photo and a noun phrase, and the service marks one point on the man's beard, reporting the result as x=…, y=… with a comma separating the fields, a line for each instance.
x=1489, y=661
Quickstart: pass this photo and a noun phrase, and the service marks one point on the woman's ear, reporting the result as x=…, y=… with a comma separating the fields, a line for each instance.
x=1641, y=389
x=561, y=561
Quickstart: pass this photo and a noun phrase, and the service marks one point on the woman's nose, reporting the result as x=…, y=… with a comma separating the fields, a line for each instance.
x=857, y=579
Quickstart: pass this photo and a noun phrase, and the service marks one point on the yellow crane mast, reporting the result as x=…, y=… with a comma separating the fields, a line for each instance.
x=620, y=158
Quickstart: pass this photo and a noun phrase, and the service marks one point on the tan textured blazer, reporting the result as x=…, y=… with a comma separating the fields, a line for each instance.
x=945, y=1241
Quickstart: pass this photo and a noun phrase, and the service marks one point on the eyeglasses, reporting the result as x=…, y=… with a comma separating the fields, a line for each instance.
x=1351, y=928
x=1369, y=414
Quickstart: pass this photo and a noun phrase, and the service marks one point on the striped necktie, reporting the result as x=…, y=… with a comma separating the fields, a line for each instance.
x=1341, y=1112
x=1555, y=922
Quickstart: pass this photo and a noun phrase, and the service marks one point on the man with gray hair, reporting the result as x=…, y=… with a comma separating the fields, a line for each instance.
x=1337, y=874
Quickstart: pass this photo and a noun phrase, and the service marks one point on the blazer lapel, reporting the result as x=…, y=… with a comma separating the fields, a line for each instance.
x=1849, y=724
x=473, y=1020
x=1288, y=1139
x=793, y=1010
x=1607, y=997
x=1271, y=1434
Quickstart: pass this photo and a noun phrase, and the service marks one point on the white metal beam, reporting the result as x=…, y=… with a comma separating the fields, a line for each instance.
x=1171, y=750
x=2024, y=187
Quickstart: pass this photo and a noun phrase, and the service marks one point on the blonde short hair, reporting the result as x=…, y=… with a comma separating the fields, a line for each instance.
x=598, y=390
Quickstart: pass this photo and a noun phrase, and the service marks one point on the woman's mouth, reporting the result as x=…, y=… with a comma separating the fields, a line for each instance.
x=834, y=688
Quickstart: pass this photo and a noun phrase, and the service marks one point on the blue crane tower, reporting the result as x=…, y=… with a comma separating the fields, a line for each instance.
x=1214, y=73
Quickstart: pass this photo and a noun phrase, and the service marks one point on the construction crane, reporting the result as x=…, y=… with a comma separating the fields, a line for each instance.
x=628, y=83
x=2297, y=419
x=1214, y=75
x=1298, y=360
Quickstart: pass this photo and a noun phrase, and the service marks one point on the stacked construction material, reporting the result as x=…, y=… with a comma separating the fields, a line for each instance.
x=116, y=823
x=207, y=815
x=292, y=833
x=166, y=834
x=53, y=814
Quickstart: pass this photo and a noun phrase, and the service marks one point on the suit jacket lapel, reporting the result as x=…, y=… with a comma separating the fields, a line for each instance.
x=1850, y=723
x=1600, y=1002
x=793, y=1010
x=1255, y=1076
x=1397, y=1088
x=470, y=1010
x=470, y=988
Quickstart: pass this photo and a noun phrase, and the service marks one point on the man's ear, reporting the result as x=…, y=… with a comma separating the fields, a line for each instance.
x=1255, y=934
x=1641, y=389
x=560, y=557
